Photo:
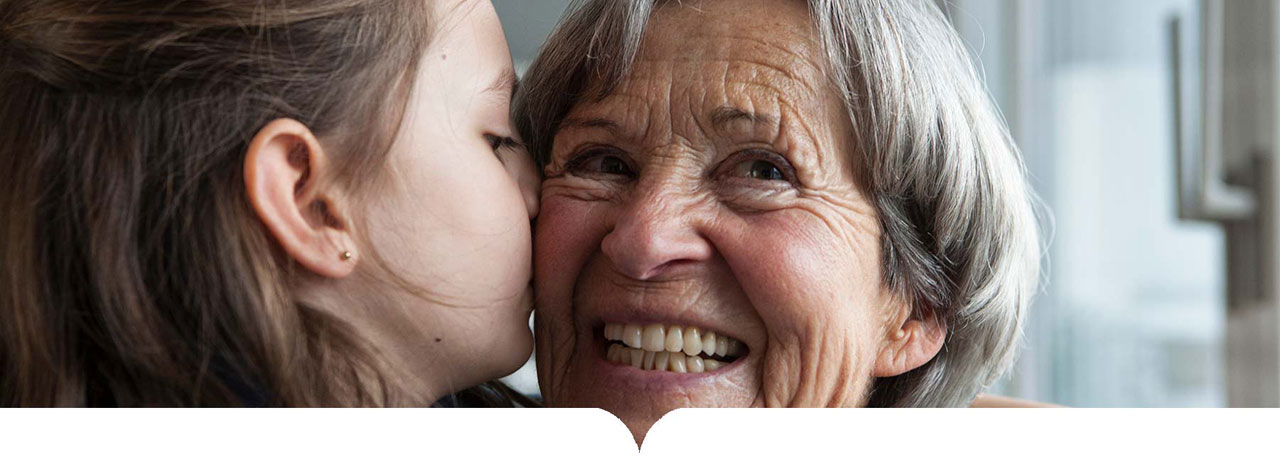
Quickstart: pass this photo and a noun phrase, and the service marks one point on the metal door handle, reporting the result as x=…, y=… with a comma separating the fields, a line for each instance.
x=1202, y=194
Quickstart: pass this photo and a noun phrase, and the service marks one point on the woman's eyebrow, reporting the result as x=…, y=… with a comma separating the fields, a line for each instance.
x=593, y=122
x=725, y=115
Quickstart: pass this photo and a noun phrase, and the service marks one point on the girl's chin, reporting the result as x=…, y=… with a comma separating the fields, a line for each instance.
x=512, y=354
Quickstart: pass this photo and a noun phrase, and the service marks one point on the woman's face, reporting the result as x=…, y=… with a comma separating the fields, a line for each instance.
x=714, y=190
x=452, y=218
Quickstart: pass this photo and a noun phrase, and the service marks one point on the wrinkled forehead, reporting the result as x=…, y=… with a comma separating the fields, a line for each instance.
x=767, y=42
x=758, y=56
x=770, y=32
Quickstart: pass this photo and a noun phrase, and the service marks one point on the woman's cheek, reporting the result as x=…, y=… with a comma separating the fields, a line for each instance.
x=815, y=364
x=567, y=234
x=811, y=290
x=560, y=249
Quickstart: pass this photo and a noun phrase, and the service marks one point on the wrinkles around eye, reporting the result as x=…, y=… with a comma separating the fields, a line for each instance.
x=577, y=188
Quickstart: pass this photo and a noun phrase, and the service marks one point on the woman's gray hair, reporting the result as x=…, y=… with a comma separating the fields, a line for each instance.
x=960, y=235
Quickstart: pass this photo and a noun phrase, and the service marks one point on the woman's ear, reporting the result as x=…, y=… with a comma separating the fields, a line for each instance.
x=283, y=171
x=909, y=343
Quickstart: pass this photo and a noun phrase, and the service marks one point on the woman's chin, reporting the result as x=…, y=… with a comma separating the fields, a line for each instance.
x=640, y=396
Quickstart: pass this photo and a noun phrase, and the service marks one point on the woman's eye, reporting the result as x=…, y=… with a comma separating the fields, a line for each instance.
x=764, y=170
x=601, y=162
x=762, y=165
x=611, y=165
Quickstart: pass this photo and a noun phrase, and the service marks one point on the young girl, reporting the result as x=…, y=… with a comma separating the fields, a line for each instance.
x=227, y=202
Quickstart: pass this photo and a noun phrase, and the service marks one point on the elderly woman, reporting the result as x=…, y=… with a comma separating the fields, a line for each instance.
x=771, y=203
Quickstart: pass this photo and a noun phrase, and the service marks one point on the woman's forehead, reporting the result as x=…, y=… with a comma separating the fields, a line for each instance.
x=725, y=54
x=718, y=89
x=769, y=34
x=747, y=17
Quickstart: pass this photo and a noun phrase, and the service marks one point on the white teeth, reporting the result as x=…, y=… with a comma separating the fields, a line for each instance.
x=678, y=363
x=675, y=339
x=693, y=364
x=655, y=337
x=692, y=341
x=711, y=364
x=661, y=360
x=678, y=349
x=632, y=336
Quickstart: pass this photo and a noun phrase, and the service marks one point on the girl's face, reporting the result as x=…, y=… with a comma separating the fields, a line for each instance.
x=453, y=217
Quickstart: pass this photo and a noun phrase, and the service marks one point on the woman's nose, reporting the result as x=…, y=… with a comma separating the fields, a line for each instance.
x=654, y=235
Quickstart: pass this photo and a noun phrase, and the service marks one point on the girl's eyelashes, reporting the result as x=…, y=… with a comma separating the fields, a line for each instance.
x=499, y=143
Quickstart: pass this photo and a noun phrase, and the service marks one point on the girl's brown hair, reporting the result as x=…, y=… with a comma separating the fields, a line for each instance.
x=133, y=270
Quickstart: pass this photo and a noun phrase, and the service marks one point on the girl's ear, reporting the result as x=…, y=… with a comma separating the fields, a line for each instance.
x=283, y=170
x=909, y=343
